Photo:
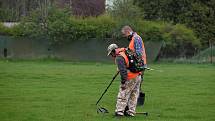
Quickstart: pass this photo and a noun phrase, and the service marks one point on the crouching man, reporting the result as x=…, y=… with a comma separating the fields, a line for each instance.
x=130, y=83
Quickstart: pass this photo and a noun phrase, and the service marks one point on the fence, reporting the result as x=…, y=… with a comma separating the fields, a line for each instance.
x=83, y=50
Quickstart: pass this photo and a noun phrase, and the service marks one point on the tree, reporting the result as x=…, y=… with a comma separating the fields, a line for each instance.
x=196, y=14
x=13, y=10
x=125, y=9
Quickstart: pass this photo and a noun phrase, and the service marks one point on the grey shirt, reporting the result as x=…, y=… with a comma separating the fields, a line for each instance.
x=120, y=61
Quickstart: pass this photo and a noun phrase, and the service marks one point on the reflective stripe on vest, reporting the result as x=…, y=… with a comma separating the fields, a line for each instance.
x=131, y=75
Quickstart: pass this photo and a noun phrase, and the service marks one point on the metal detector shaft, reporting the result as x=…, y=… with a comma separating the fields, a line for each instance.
x=107, y=87
x=144, y=113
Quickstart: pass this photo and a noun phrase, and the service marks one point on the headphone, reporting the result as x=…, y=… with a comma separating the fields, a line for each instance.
x=130, y=36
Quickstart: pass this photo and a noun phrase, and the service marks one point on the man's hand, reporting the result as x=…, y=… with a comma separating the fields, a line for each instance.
x=123, y=86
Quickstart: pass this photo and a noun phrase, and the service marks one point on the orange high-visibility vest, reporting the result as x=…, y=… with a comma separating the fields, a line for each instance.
x=131, y=46
x=130, y=75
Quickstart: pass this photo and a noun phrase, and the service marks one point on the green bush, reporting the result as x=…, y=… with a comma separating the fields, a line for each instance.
x=72, y=28
x=4, y=30
x=180, y=41
x=60, y=27
x=9, y=31
x=149, y=30
x=99, y=27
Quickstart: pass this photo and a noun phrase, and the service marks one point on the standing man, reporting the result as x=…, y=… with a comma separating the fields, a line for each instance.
x=130, y=83
x=136, y=45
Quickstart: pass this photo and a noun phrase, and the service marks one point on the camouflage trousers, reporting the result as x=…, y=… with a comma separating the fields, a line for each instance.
x=128, y=96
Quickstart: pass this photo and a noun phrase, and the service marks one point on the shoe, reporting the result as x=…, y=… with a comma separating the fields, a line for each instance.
x=129, y=114
x=119, y=114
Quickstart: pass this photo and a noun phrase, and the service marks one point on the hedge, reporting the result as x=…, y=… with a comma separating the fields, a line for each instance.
x=60, y=27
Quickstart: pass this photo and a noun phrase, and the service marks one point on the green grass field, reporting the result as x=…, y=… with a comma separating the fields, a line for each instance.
x=68, y=91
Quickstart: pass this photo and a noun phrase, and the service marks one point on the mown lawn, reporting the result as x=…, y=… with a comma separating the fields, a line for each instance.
x=68, y=91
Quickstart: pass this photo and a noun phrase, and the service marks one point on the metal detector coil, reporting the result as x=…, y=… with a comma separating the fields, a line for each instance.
x=102, y=109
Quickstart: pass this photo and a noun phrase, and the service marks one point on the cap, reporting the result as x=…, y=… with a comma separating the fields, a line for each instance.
x=110, y=48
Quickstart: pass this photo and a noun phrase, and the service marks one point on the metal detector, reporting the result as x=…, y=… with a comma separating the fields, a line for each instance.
x=102, y=109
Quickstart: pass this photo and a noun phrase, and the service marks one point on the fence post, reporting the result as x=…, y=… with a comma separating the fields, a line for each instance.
x=211, y=47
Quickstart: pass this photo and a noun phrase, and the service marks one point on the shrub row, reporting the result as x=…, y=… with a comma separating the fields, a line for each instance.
x=60, y=27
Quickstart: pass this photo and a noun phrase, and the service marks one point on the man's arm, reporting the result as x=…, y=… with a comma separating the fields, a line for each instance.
x=120, y=61
x=138, y=46
x=140, y=49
